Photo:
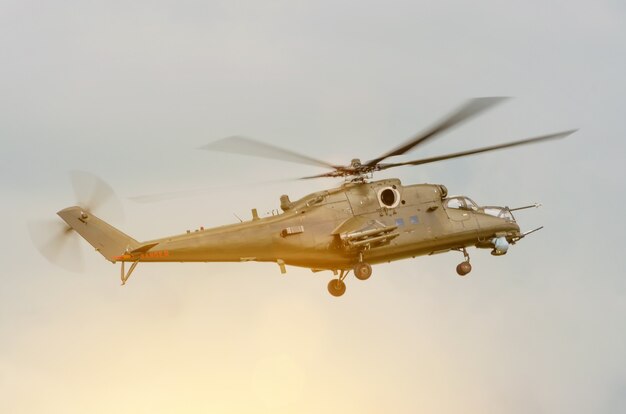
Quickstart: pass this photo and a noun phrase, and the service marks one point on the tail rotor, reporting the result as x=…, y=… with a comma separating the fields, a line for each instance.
x=58, y=242
x=96, y=196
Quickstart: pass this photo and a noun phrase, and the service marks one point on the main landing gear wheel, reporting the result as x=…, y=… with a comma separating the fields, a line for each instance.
x=336, y=287
x=362, y=271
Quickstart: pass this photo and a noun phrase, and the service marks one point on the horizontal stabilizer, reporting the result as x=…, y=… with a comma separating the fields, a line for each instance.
x=144, y=248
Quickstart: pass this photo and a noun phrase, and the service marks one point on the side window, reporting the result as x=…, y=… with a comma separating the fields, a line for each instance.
x=455, y=203
x=470, y=205
x=506, y=214
x=492, y=211
x=461, y=202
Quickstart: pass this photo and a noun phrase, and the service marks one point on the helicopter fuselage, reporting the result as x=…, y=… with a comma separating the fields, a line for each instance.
x=376, y=222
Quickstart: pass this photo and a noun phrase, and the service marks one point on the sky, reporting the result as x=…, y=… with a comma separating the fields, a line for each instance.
x=130, y=90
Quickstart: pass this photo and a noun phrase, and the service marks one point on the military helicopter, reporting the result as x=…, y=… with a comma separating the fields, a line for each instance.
x=344, y=229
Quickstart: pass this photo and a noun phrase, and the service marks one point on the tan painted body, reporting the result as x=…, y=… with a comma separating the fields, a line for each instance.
x=328, y=230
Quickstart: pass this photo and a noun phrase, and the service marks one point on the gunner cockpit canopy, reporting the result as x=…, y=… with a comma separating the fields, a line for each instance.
x=461, y=203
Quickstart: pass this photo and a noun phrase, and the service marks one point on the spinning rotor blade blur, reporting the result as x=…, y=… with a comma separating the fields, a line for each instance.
x=249, y=146
x=55, y=240
x=57, y=243
x=197, y=192
x=557, y=135
x=96, y=196
x=470, y=109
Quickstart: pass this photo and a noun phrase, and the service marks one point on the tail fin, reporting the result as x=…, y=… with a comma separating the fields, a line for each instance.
x=106, y=239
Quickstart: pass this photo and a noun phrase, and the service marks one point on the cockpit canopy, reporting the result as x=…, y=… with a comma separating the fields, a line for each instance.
x=500, y=212
x=466, y=203
x=462, y=203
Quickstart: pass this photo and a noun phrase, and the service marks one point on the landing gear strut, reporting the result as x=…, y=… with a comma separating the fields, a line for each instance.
x=125, y=275
x=464, y=267
x=337, y=287
x=362, y=271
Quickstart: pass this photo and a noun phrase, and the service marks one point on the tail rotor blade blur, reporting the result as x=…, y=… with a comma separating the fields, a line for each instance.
x=96, y=196
x=57, y=243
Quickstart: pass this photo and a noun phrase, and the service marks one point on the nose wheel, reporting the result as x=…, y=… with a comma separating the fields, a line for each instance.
x=337, y=287
x=464, y=267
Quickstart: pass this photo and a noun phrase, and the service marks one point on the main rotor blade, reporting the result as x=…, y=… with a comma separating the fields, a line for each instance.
x=479, y=150
x=324, y=175
x=172, y=195
x=470, y=109
x=249, y=146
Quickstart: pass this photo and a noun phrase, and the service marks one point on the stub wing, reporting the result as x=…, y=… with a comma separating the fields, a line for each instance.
x=360, y=233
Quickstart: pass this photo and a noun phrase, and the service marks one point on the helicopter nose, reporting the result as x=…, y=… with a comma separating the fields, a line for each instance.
x=512, y=229
x=509, y=227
